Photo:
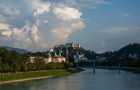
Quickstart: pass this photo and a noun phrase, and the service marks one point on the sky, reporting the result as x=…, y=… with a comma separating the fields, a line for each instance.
x=99, y=25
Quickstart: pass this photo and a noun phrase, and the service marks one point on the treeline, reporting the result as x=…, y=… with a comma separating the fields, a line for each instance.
x=127, y=56
x=39, y=64
x=11, y=61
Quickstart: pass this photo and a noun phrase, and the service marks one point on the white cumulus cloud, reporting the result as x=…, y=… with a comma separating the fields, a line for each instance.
x=4, y=26
x=49, y=23
x=34, y=32
x=26, y=36
x=39, y=7
x=5, y=30
x=66, y=13
x=62, y=32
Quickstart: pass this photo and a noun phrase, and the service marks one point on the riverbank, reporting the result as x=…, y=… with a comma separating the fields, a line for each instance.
x=74, y=70
x=134, y=70
x=25, y=76
x=130, y=69
x=21, y=80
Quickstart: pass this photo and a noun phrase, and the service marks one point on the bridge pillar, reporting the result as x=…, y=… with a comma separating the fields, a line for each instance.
x=93, y=66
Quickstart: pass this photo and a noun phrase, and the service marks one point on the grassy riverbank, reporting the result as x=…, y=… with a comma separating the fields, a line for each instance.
x=74, y=70
x=24, y=76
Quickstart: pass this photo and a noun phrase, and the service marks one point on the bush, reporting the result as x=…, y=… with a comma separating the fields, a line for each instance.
x=0, y=68
x=68, y=64
x=40, y=64
x=55, y=66
x=6, y=68
x=24, y=67
x=17, y=67
x=32, y=67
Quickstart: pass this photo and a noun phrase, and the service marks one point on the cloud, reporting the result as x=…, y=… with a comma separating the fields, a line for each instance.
x=45, y=23
x=2, y=18
x=101, y=2
x=62, y=32
x=40, y=7
x=80, y=4
x=120, y=35
x=126, y=15
x=27, y=36
x=34, y=33
x=95, y=1
x=66, y=13
x=4, y=26
x=8, y=9
x=102, y=47
x=122, y=30
x=5, y=30
x=6, y=33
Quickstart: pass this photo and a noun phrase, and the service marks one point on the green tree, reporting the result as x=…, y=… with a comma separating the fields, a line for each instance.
x=0, y=67
x=32, y=66
x=68, y=64
x=24, y=67
x=40, y=63
x=17, y=67
x=6, y=68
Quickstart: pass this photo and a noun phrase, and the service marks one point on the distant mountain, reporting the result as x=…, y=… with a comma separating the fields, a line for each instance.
x=127, y=56
x=130, y=51
x=22, y=51
x=131, y=48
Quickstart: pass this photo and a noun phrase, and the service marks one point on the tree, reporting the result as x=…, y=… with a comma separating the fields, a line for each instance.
x=17, y=67
x=40, y=63
x=24, y=67
x=6, y=68
x=0, y=67
x=68, y=64
x=32, y=66
x=53, y=65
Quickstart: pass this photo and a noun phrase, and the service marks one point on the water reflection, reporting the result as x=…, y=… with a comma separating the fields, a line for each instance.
x=103, y=79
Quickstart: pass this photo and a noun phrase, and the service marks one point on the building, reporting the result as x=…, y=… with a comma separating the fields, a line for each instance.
x=73, y=45
x=58, y=59
x=32, y=59
x=48, y=58
x=55, y=53
x=76, y=46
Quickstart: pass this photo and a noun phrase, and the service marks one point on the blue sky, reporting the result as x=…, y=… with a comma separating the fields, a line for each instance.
x=99, y=25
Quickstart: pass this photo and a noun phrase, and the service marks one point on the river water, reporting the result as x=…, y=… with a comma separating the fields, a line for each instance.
x=103, y=79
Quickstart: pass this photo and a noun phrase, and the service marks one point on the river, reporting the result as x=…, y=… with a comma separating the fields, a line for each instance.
x=103, y=79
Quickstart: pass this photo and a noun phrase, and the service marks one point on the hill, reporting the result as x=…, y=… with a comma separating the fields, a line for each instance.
x=21, y=51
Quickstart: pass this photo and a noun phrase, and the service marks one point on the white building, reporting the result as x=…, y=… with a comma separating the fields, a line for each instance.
x=73, y=45
x=58, y=59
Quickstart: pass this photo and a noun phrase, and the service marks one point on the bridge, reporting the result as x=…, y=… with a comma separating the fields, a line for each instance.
x=119, y=67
